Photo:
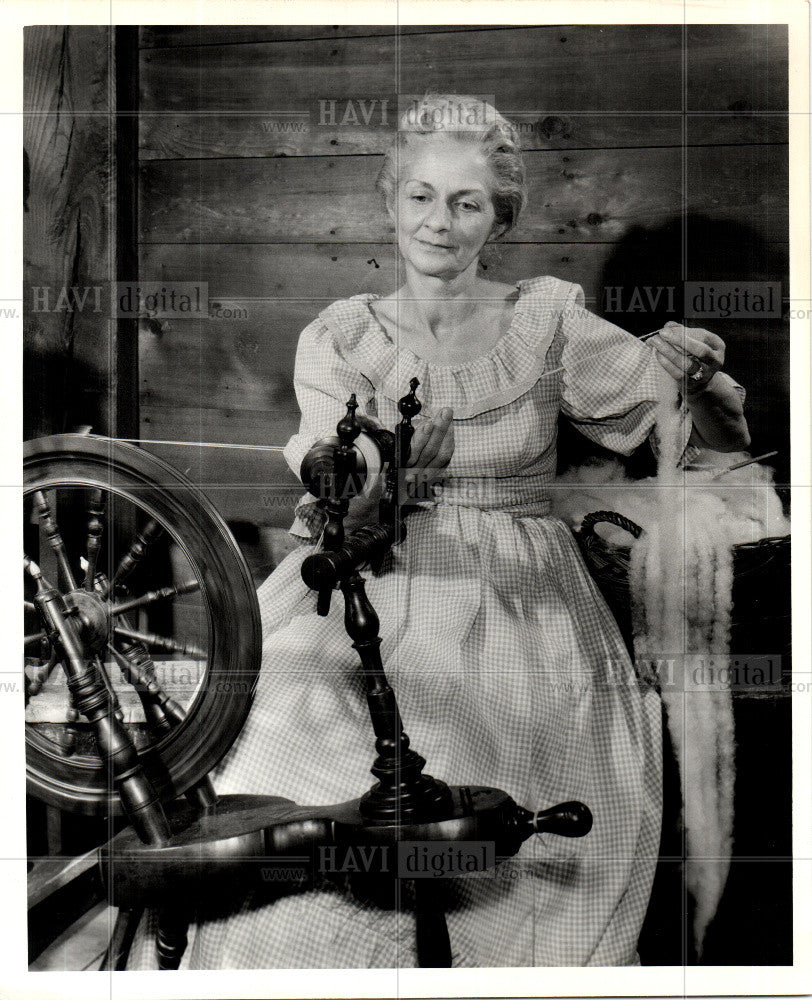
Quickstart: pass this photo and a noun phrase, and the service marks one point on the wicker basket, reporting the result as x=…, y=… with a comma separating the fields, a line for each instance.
x=761, y=619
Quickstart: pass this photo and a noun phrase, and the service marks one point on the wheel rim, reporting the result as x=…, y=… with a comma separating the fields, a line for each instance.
x=221, y=611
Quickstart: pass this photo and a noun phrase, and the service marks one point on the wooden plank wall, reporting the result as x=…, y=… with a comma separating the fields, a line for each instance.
x=68, y=340
x=240, y=188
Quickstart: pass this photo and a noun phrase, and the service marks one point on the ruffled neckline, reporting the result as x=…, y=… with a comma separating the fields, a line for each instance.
x=509, y=369
x=368, y=297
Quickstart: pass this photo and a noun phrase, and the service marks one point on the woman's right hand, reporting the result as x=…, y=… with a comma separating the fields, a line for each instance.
x=430, y=452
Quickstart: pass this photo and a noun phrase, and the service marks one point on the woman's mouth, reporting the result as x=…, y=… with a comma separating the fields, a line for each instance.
x=435, y=246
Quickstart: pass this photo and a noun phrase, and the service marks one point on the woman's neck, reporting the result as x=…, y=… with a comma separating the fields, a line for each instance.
x=439, y=305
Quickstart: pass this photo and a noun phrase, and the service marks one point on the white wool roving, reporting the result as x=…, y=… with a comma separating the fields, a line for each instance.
x=681, y=582
x=681, y=579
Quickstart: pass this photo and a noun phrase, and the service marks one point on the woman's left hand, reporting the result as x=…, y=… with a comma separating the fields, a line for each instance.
x=685, y=353
x=431, y=450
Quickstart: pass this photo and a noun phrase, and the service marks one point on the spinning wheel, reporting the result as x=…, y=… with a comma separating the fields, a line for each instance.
x=87, y=612
x=163, y=607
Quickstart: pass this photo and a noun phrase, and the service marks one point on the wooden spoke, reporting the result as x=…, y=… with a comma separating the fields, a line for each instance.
x=29, y=606
x=135, y=673
x=117, y=711
x=95, y=526
x=51, y=529
x=160, y=642
x=29, y=640
x=144, y=538
x=138, y=669
x=155, y=595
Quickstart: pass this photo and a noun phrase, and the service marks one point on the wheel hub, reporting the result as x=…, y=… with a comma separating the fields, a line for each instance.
x=94, y=616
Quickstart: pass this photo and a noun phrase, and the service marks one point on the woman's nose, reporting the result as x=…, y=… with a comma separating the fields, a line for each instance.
x=439, y=218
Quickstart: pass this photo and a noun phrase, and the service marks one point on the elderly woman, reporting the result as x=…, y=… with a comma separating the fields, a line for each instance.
x=508, y=666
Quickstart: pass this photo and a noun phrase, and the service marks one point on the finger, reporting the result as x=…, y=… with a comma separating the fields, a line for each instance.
x=702, y=355
x=674, y=355
x=686, y=363
x=703, y=350
x=446, y=451
x=701, y=343
x=419, y=480
x=699, y=349
x=419, y=438
x=431, y=448
x=706, y=337
x=671, y=368
x=674, y=334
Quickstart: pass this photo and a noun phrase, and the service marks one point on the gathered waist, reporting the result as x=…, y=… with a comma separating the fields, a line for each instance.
x=518, y=495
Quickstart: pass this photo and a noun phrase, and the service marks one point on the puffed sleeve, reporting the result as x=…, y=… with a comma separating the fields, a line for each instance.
x=612, y=382
x=323, y=381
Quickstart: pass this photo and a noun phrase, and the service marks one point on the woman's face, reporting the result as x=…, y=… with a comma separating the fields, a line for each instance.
x=443, y=210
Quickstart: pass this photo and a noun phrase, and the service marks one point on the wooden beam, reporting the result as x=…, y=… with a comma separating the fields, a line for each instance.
x=67, y=232
x=125, y=373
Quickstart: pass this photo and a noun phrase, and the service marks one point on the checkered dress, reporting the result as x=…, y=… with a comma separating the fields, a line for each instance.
x=508, y=667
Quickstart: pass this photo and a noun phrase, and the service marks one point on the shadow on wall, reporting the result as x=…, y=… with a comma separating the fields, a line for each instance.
x=60, y=395
x=643, y=286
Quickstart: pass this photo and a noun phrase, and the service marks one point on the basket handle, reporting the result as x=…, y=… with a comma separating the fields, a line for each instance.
x=589, y=522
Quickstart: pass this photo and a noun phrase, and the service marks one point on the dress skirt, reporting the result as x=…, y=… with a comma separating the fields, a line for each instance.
x=510, y=672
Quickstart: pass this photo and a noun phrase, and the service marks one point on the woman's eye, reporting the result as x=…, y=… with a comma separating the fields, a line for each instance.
x=469, y=206
x=418, y=197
